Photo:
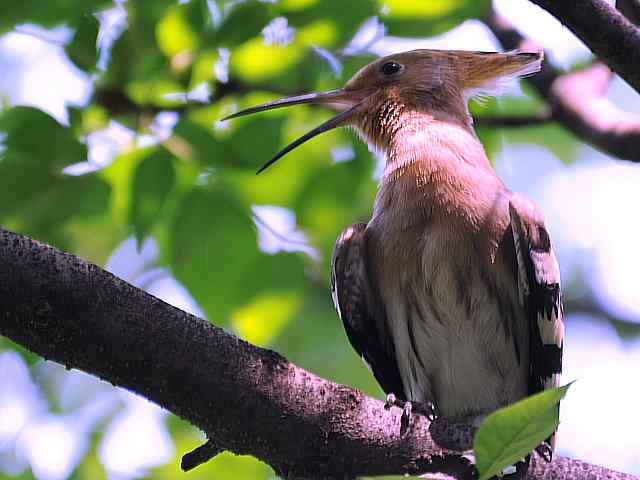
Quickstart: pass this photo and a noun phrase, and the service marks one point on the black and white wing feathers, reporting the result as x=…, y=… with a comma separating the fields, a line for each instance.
x=540, y=295
x=356, y=302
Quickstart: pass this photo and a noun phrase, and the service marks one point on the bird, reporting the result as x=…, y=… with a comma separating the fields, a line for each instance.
x=451, y=291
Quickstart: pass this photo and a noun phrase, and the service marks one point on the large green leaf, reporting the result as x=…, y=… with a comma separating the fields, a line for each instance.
x=511, y=433
x=324, y=13
x=241, y=146
x=35, y=138
x=214, y=253
x=47, y=14
x=35, y=196
x=244, y=21
x=418, y=18
x=179, y=30
x=135, y=55
x=153, y=180
x=83, y=47
x=40, y=204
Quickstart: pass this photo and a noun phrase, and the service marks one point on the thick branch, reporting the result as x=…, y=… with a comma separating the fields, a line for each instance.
x=247, y=399
x=577, y=100
x=606, y=31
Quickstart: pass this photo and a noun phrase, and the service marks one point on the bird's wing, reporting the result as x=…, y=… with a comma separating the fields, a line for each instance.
x=539, y=288
x=357, y=303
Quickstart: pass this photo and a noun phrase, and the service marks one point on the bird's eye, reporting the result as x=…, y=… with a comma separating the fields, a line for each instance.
x=390, y=68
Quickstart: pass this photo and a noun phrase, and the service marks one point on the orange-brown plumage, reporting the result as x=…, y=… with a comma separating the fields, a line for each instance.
x=451, y=291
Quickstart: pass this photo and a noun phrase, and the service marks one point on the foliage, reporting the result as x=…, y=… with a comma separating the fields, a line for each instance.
x=511, y=433
x=193, y=190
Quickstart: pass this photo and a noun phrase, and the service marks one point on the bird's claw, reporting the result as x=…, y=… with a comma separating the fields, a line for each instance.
x=391, y=401
x=545, y=451
x=406, y=417
x=427, y=409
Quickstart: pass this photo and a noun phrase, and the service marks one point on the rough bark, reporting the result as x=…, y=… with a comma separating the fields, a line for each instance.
x=578, y=100
x=605, y=30
x=247, y=399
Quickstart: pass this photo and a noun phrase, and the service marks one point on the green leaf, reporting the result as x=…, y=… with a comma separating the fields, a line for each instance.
x=47, y=14
x=240, y=146
x=179, y=30
x=254, y=61
x=33, y=137
x=135, y=54
x=214, y=253
x=153, y=180
x=511, y=433
x=324, y=12
x=36, y=198
x=40, y=204
x=420, y=19
x=83, y=49
x=244, y=21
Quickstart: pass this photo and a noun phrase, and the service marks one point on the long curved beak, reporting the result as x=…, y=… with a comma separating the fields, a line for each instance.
x=334, y=97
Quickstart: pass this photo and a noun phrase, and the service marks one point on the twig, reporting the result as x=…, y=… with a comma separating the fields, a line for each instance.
x=514, y=121
x=606, y=31
x=200, y=455
x=577, y=100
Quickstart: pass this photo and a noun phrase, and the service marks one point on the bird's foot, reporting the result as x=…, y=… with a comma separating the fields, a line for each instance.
x=427, y=409
x=406, y=417
x=392, y=401
x=545, y=451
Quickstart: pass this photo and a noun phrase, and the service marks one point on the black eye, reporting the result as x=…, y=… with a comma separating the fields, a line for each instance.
x=390, y=68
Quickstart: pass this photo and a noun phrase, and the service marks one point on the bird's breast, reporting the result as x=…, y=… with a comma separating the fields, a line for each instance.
x=458, y=329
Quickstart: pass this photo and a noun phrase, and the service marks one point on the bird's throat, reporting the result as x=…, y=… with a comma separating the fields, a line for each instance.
x=436, y=168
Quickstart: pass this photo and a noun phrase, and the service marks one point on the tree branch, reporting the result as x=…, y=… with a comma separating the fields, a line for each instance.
x=247, y=399
x=577, y=100
x=514, y=121
x=606, y=31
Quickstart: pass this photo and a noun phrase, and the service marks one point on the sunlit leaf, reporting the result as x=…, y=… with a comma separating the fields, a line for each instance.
x=320, y=33
x=254, y=61
x=203, y=67
x=417, y=8
x=293, y=5
x=265, y=316
x=511, y=433
x=157, y=90
x=178, y=31
x=420, y=19
x=345, y=24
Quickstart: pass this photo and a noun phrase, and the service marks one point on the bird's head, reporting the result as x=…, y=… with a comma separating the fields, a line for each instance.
x=432, y=83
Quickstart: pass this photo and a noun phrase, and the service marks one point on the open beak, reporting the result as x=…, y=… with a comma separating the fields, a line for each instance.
x=334, y=97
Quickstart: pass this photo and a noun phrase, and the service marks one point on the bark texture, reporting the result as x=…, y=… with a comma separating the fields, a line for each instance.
x=576, y=100
x=606, y=31
x=247, y=399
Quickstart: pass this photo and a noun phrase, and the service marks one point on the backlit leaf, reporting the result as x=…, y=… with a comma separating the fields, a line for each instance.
x=511, y=433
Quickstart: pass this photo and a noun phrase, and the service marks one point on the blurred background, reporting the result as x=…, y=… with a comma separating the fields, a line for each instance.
x=111, y=148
